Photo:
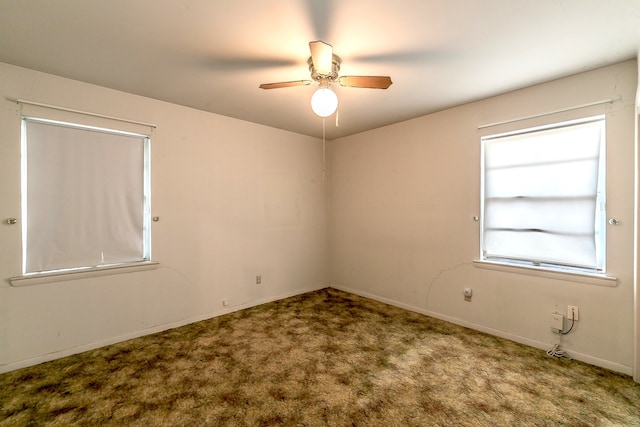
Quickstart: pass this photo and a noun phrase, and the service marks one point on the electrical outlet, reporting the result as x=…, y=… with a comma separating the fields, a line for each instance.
x=225, y=302
x=258, y=279
x=572, y=313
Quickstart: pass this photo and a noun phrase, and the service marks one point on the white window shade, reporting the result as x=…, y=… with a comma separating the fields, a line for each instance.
x=544, y=195
x=85, y=198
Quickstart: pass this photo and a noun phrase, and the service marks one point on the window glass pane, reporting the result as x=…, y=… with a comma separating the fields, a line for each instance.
x=84, y=196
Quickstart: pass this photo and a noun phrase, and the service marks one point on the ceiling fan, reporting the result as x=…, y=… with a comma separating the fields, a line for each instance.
x=325, y=66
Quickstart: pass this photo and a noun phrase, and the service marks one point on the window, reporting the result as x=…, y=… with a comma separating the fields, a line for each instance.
x=543, y=201
x=85, y=196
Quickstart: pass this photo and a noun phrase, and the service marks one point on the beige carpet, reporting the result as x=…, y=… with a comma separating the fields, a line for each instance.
x=325, y=358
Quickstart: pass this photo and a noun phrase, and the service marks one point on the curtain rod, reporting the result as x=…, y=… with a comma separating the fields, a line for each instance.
x=562, y=110
x=86, y=113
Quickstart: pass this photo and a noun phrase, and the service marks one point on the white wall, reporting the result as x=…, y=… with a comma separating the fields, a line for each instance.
x=636, y=362
x=402, y=199
x=235, y=199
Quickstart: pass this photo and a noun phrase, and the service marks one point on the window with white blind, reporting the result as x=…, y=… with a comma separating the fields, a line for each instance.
x=85, y=197
x=543, y=196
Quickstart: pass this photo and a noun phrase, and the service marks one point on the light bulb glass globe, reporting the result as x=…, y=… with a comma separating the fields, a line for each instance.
x=324, y=102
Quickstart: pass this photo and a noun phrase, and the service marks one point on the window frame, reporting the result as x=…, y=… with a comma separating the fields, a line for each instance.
x=145, y=263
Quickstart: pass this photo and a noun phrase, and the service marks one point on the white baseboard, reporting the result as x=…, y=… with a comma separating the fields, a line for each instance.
x=516, y=338
x=18, y=364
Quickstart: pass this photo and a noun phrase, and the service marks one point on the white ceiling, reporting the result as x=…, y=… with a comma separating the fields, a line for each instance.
x=212, y=55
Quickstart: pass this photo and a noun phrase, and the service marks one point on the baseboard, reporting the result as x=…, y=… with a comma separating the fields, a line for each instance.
x=12, y=366
x=516, y=338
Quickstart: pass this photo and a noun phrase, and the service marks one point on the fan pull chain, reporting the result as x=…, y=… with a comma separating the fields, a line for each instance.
x=337, y=118
x=324, y=153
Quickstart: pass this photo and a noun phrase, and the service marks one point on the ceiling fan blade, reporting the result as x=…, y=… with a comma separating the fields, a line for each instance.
x=369, y=82
x=285, y=84
x=322, y=57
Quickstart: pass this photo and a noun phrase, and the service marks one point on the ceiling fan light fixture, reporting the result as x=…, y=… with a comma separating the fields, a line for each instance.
x=324, y=102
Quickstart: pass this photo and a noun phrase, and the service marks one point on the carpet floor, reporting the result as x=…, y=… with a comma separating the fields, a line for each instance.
x=325, y=358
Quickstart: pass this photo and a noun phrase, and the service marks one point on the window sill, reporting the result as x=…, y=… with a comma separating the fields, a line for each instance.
x=572, y=276
x=59, y=276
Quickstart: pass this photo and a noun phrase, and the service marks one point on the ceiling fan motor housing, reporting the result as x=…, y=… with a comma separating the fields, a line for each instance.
x=332, y=77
